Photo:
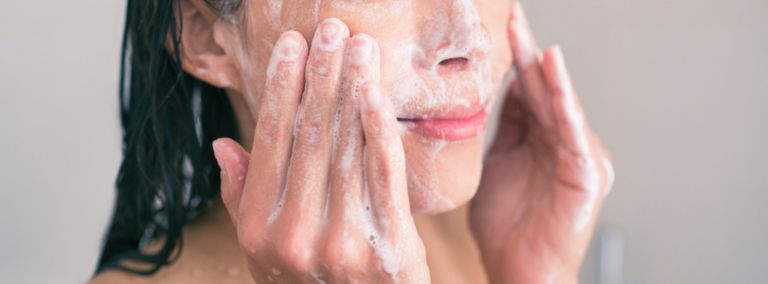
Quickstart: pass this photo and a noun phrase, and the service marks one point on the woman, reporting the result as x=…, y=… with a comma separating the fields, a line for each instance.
x=364, y=121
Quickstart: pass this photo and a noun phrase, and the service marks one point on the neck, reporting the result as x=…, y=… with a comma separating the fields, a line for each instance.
x=215, y=223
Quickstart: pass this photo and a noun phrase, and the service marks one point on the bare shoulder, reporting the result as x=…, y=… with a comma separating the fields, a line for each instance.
x=116, y=277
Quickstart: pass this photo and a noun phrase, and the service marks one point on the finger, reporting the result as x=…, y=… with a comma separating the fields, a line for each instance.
x=577, y=167
x=272, y=139
x=573, y=128
x=569, y=116
x=310, y=165
x=361, y=64
x=384, y=163
x=233, y=161
x=526, y=56
x=391, y=227
x=347, y=242
x=577, y=163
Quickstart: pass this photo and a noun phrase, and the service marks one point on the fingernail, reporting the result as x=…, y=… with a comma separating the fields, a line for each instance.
x=371, y=98
x=329, y=35
x=218, y=153
x=360, y=52
x=288, y=46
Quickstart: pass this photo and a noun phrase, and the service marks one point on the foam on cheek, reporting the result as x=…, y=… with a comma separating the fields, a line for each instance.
x=417, y=84
x=274, y=12
x=438, y=199
x=424, y=181
x=469, y=34
x=280, y=18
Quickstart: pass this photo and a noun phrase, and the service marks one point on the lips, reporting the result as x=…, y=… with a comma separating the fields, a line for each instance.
x=452, y=124
x=447, y=102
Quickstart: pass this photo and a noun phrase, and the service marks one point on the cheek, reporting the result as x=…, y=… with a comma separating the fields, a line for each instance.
x=265, y=20
x=495, y=15
x=261, y=26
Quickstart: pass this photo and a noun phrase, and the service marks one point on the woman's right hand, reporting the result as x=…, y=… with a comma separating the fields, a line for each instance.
x=327, y=201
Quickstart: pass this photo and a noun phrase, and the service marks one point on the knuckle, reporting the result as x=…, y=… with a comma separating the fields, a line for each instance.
x=310, y=130
x=578, y=171
x=252, y=243
x=268, y=130
x=321, y=68
x=382, y=131
x=382, y=173
x=345, y=253
x=296, y=253
x=307, y=139
x=376, y=128
x=282, y=77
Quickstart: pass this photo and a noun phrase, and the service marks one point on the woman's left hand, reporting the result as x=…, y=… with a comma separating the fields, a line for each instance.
x=545, y=176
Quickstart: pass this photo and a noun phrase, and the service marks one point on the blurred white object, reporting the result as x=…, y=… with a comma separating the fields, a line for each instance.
x=610, y=256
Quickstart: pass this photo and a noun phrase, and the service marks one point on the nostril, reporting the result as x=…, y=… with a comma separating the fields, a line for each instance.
x=454, y=64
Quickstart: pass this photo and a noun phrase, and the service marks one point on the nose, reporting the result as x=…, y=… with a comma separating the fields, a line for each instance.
x=454, y=37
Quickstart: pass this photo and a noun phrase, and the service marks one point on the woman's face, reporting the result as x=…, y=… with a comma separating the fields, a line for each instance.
x=441, y=59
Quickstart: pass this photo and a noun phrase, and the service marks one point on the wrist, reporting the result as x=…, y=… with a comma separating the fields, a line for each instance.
x=532, y=271
x=534, y=277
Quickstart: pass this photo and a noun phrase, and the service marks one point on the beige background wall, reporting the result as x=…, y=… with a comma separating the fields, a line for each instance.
x=676, y=88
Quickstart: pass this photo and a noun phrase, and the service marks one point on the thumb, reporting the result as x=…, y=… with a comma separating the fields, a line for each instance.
x=233, y=161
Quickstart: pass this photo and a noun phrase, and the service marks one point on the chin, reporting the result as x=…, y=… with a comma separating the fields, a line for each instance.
x=442, y=175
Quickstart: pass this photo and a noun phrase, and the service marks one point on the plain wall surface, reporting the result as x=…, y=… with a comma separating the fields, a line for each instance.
x=676, y=89
x=60, y=143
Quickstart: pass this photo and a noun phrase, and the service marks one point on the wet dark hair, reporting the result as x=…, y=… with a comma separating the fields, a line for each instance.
x=168, y=175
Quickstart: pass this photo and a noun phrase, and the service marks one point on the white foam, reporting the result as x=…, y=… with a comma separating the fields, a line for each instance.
x=425, y=181
x=381, y=246
x=277, y=210
x=414, y=83
x=348, y=155
x=274, y=12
